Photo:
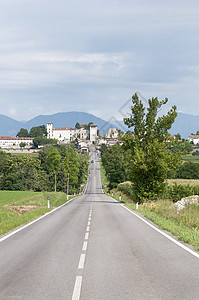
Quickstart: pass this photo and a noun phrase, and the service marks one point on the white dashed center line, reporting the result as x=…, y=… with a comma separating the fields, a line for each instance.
x=85, y=245
x=81, y=261
x=78, y=281
x=77, y=288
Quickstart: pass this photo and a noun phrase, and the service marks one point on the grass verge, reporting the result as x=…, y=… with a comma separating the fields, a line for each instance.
x=20, y=207
x=104, y=180
x=184, y=225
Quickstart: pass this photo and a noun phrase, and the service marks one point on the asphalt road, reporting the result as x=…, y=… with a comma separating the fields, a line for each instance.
x=93, y=248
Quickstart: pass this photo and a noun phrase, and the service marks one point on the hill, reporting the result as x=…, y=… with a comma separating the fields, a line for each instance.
x=9, y=126
x=185, y=124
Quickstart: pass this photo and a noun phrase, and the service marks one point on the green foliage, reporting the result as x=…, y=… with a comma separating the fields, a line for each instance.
x=127, y=189
x=77, y=126
x=178, y=191
x=53, y=161
x=149, y=147
x=23, y=133
x=40, y=140
x=38, y=131
x=103, y=149
x=115, y=162
x=39, y=173
x=188, y=170
x=22, y=145
x=71, y=167
x=182, y=147
x=195, y=153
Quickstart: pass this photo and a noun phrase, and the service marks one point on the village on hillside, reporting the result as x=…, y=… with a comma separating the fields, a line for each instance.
x=82, y=135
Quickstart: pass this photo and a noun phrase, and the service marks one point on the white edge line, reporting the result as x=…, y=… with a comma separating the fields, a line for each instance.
x=77, y=288
x=161, y=232
x=34, y=221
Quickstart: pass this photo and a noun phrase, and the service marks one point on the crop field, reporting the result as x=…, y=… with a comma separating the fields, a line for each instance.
x=191, y=158
x=20, y=207
x=193, y=182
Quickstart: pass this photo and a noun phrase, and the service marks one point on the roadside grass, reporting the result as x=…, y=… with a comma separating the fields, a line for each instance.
x=104, y=180
x=20, y=207
x=184, y=224
x=190, y=157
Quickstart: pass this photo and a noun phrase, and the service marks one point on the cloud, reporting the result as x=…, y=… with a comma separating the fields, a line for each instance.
x=92, y=55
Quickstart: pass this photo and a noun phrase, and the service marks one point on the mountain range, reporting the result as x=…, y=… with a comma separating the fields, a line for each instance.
x=185, y=124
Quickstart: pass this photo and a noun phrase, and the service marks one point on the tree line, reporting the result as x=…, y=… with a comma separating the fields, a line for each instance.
x=39, y=133
x=47, y=172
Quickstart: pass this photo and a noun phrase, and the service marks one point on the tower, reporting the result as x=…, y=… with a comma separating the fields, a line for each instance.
x=93, y=133
x=49, y=130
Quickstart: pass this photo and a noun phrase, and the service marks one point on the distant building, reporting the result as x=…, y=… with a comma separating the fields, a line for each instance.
x=194, y=138
x=14, y=142
x=68, y=134
x=112, y=133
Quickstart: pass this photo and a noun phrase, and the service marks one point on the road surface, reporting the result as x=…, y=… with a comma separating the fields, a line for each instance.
x=94, y=249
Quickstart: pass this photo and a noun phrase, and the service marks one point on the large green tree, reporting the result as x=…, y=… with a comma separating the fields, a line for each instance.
x=71, y=167
x=23, y=133
x=151, y=158
x=116, y=164
x=38, y=131
x=54, y=163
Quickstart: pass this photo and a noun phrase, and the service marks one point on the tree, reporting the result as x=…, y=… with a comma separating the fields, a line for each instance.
x=149, y=147
x=40, y=140
x=77, y=126
x=22, y=133
x=54, y=162
x=115, y=163
x=38, y=131
x=178, y=136
x=22, y=145
x=71, y=167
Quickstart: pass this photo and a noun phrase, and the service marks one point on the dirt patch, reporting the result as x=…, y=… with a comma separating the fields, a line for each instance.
x=22, y=209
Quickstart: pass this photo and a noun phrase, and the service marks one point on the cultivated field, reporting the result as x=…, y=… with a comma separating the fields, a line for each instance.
x=183, y=181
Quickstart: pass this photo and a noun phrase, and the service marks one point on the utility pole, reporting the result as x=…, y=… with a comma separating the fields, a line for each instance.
x=67, y=186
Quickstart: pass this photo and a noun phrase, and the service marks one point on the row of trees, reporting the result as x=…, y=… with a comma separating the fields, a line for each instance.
x=145, y=157
x=39, y=133
x=49, y=171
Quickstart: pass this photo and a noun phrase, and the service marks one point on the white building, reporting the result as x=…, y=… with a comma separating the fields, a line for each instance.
x=194, y=138
x=112, y=133
x=14, y=142
x=68, y=134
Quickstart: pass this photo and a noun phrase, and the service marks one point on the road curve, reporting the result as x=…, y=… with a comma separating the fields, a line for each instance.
x=92, y=249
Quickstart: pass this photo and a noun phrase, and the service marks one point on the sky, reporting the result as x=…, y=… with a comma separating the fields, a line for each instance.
x=93, y=55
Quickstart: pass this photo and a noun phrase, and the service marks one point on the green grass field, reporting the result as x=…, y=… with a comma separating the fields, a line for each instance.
x=20, y=207
x=191, y=158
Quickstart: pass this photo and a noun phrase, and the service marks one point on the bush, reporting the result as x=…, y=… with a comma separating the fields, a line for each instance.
x=188, y=170
x=126, y=188
x=178, y=191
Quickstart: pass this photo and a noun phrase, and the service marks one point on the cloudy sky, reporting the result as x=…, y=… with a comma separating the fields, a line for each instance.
x=92, y=55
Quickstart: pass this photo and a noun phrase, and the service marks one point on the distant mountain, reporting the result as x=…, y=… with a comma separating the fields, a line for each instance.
x=185, y=124
x=11, y=127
